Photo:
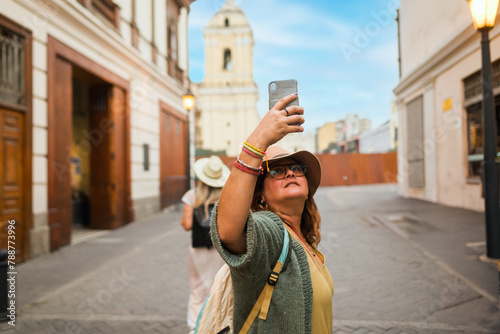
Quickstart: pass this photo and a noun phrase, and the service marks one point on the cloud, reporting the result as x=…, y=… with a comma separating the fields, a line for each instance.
x=293, y=25
x=385, y=55
x=300, y=40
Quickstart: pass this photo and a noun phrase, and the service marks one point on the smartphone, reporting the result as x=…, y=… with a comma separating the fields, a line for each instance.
x=281, y=88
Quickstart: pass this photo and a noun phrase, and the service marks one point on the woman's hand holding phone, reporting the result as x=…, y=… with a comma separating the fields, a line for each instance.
x=276, y=124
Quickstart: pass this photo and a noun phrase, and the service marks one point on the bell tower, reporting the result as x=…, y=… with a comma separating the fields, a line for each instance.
x=227, y=108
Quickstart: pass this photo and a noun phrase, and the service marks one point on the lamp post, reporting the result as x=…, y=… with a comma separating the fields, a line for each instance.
x=484, y=13
x=188, y=103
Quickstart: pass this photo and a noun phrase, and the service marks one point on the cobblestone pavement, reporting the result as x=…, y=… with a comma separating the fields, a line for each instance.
x=399, y=266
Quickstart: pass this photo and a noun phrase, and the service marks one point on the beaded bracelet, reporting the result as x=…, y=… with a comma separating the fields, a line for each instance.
x=257, y=151
x=250, y=152
x=244, y=169
x=256, y=169
x=254, y=149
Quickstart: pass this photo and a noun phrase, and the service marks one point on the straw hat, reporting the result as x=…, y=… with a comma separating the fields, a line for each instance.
x=313, y=173
x=211, y=171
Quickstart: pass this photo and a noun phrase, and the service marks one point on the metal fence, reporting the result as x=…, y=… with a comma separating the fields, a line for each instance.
x=352, y=168
x=355, y=168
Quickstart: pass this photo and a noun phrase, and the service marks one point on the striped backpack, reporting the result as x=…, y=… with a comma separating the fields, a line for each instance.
x=216, y=315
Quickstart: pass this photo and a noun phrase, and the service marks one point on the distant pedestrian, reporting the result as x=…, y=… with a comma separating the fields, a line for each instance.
x=247, y=230
x=203, y=260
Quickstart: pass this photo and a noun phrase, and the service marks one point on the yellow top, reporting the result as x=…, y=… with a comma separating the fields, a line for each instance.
x=322, y=283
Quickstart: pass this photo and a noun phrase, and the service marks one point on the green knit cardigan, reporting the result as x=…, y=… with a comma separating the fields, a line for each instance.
x=291, y=303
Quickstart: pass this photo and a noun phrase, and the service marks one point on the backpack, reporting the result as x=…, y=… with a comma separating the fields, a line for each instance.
x=200, y=234
x=216, y=315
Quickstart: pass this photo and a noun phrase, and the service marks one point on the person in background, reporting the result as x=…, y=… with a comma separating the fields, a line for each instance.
x=203, y=260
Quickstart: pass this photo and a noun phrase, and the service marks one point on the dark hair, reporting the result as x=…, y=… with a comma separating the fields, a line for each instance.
x=310, y=222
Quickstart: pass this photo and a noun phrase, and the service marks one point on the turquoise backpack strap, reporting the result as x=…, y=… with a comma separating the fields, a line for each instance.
x=261, y=307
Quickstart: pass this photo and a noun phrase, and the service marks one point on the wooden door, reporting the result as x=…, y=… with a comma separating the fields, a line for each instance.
x=173, y=156
x=60, y=136
x=11, y=180
x=108, y=158
x=100, y=159
x=118, y=157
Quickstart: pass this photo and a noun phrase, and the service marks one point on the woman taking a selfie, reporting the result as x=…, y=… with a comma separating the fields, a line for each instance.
x=248, y=230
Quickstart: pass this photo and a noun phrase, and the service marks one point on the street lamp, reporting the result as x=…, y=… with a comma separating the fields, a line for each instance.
x=484, y=13
x=188, y=103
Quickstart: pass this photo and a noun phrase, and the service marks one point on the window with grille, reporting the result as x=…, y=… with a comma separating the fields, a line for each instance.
x=473, y=89
x=12, y=67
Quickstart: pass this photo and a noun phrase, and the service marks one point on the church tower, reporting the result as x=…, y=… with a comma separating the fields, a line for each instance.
x=227, y=98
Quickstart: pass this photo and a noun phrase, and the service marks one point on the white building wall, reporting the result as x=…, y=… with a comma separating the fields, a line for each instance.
x=402, y=152
x=183, y=40
x=429, y=144
x=376, y=141
x=144, y=16
x=425, y=28
x=125, y=9
x=160, y=17
x=93, y=38
x=352, y=123
x=299, y=141
x=365, y=124
x=437, y=54
x=125, y=20
x=394, y=125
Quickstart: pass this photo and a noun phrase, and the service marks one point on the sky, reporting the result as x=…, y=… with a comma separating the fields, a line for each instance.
x=344, y=54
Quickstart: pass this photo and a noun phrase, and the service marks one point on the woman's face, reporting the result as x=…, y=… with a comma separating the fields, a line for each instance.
x=291, y=187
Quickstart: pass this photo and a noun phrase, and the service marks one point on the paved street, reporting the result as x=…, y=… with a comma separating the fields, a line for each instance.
x=399, y=266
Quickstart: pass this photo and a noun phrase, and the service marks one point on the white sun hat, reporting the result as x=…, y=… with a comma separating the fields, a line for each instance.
x=211, y=171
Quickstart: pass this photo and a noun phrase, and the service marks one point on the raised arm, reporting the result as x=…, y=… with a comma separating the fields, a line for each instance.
x=237, y=193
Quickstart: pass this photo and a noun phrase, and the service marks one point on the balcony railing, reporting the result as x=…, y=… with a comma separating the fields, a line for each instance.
x=107, y=9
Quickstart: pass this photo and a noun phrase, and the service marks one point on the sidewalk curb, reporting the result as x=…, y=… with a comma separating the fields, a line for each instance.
x=437, y=261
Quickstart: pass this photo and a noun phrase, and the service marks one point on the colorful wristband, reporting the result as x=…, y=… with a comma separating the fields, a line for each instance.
x=257, y=151
x=244, y=169
x=256, y=169
x=250, y=152
x=253, y=147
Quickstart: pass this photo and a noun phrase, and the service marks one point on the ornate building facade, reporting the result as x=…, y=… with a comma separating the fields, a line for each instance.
x=91, y=113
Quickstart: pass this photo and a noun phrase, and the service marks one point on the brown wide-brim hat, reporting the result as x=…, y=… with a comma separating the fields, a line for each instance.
x=313, y=171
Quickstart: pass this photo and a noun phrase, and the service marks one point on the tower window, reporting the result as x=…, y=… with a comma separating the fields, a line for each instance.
x=228, y=63
x=226, y=22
